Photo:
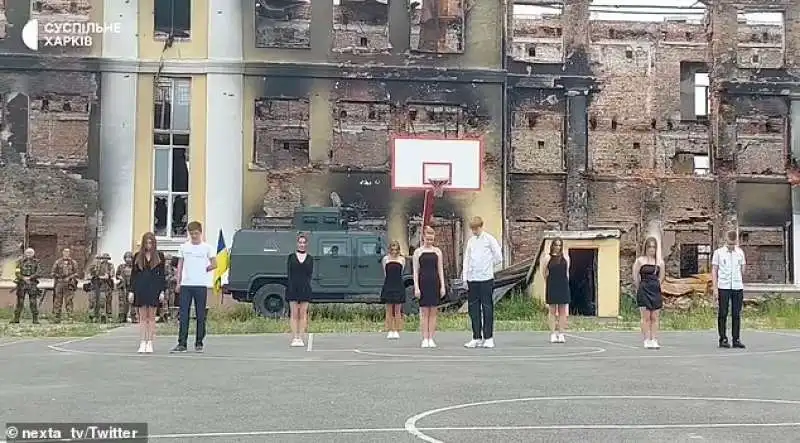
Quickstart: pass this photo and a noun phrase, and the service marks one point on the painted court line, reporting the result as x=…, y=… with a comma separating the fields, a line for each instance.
x=310, y=342
x=598, y=340
x=411, y=423
x=14, y=342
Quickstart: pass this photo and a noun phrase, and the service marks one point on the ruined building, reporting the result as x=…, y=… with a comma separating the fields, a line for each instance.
x=234, y=113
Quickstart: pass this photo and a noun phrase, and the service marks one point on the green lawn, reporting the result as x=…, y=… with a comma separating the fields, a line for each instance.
x=514, y=313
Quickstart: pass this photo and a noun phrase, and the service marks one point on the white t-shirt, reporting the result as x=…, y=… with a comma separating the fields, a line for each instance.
x=196, y=259
x=729, y=267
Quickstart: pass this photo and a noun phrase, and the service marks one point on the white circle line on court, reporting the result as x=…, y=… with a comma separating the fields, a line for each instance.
x=412, y=428
x=649, y=354
x=488, y=355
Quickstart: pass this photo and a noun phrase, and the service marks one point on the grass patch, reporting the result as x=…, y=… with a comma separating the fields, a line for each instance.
x=513, y=313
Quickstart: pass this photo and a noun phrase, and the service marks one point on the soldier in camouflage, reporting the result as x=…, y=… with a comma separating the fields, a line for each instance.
x=27, y=275
x=165, y=308
x=101, y=273
x=123, y=277
x=65, y=282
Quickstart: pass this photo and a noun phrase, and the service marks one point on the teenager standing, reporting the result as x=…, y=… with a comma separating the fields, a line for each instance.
x=147, y=288
x=648, y=273
x=393, y=293
x=557, y=295
x=428, y=284
x=299, y=269
x=481, y=256
x=727, y=269
x=196, y=259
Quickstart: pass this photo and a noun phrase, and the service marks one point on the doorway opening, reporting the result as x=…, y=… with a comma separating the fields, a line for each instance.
x=583, y=281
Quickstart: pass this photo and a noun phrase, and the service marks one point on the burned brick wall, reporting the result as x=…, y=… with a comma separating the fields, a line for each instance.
x=651, y=148
x=283, y=24
x=437, y=26
x=15, y=14
x=48, y=121
x=361, y=27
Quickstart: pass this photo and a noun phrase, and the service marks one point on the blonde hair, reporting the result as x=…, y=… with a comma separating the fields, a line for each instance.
x=395, y=244
x=428, y=230
x=476, y=222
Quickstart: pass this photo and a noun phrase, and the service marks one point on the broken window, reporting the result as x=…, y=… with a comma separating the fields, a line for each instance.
x=445, y=120
x=173, y=18
x=437, y=26
x=77, y=9
x=695, y=259
x=283, y=24
x=281, y=133
x=701, y=96
x=171, y=157
x=361, y=133
x=361, y=26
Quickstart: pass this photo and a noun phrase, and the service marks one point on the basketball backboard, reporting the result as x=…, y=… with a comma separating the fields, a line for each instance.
x=418, y=161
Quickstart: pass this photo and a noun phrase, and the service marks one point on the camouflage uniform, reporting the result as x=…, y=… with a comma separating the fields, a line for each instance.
x=27, y=267
x=65, y=276
x=164, y=308
x=123, y=276
x=101, y=273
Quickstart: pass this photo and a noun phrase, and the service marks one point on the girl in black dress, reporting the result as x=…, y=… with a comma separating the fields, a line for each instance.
x=557, y=296
x=299, y=268
x=648, y=273
x=428, y=284
x=148, y=282
x=393, y=293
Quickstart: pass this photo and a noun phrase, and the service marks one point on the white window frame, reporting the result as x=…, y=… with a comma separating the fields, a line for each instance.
x=172, y=84
x=702, y=85
x=701, y=164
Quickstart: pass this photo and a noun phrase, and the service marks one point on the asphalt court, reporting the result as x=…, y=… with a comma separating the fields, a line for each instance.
x=365, y=388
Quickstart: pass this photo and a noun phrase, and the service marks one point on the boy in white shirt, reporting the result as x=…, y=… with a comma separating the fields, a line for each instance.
x=196, y=259
x=727, y=268
x=481, y=256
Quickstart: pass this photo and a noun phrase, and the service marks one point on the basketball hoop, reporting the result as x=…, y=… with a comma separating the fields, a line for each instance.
x=438, y=187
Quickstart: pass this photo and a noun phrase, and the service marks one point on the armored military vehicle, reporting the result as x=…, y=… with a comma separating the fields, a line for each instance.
x=347, y=262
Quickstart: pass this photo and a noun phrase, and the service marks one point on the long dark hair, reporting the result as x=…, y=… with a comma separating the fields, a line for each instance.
x=556, y=257
x=141, y=259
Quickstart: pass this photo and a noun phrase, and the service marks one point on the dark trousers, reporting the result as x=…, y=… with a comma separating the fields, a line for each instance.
x=199, y=295
x=733, y=299
x=481, y=308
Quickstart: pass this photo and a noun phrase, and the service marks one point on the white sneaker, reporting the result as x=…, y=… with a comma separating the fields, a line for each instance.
x=142, y=347
x=425, y=343
x=148, y=347
x=553, y=338
x=654, y=344
x=474, y=343
x=648, y=344
x=396, y=335
x=390, y=335
x=488, y=343
x=431, y=343
x=561, y=338
x=297, y=343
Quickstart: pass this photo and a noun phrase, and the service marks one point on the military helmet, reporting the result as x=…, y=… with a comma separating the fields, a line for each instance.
x=104, y=256
x=128, y=254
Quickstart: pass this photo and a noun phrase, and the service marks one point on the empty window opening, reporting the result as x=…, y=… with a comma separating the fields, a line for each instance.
x=702, y=164
x=688, y=36
x=653, y=124
x=613, y=124
x=629, y=53
x=755, y=58
x=583, y=281
x=701, y=95
x=637, y=145
x=172, y=18
x=541, y=144
x=342, y=114
x=612, y=33
x=363, y=42
x=531, y=51
x=412, y=114
x=372, y=115
x=282, y=24
x=695, y=259
x=593, y=123
x=532, y=118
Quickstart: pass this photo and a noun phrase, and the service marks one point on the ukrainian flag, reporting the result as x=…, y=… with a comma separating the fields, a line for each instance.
x=223, y=264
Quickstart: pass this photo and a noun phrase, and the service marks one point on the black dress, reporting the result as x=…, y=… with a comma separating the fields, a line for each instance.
x=557, y=291
x=393, y=292
x=428, y=276
x=148, y=283
x=299, y=288
x=649, y=294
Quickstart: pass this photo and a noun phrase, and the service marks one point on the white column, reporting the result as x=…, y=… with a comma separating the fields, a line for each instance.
x=224, y=156
x=794, y=146
x=118, y=131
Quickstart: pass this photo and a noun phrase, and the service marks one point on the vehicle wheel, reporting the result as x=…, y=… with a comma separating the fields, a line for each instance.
x=411, y=306
x=270, y=301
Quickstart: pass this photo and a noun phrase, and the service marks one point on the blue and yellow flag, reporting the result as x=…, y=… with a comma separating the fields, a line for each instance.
x=223, y=263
